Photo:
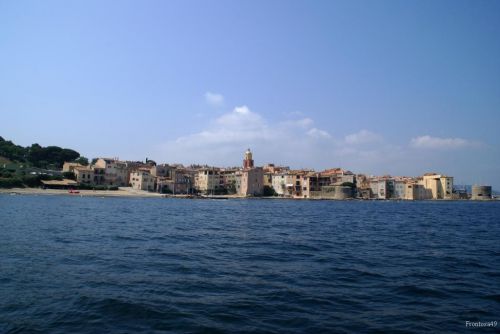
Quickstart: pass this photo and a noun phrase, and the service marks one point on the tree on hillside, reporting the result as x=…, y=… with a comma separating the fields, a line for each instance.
x=82, y=161
x=38, y=155
x=43, y=156
x=11, y=151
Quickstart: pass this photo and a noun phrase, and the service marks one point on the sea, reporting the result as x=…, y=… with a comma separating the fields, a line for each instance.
x=71, y=264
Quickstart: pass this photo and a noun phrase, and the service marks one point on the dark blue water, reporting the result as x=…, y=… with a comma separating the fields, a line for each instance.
x=99, y=265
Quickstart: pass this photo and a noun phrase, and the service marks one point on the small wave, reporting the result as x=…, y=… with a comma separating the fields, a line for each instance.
x=127, y=238
x=495, y=297
x=413, y=290
x=12, y=329
x=117, y=308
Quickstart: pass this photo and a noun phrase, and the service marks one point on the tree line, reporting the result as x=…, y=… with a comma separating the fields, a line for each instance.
x=39, y=156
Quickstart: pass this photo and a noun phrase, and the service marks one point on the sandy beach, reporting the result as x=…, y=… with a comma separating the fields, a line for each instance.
x=121, y=192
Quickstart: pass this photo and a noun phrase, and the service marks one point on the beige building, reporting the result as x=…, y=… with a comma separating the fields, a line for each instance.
x=440, y=186
x=208, y=180
x=252, y=182
x=378, y=187
x=313, y=182
x=142, y=179
x=84, y=175
x=416, y=191
x=68, y=167
x=116, y=172
x=231, y=180
x=339, y=175
x=174, y=179
x=279, y=183
x=289, y=184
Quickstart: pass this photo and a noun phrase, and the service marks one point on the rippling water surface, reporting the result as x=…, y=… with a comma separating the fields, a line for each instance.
x=121, y=265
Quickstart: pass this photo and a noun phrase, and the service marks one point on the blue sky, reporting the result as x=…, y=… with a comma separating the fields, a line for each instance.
x=382, y=87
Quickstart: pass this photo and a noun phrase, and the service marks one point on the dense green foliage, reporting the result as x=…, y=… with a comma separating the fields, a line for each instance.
x=269, y=191
x=82, y=161
x=39, y=156
x=27, y=166
x=9, y=179
x=11, y=151
x=69, y=175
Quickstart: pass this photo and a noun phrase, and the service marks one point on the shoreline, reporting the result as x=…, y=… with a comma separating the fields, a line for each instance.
x=121, y=192
x=129, y=192
x=82, y=193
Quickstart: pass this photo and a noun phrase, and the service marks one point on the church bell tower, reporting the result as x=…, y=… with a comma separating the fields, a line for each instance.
x=248, y=161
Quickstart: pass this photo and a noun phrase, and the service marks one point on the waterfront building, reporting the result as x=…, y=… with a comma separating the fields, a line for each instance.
x=142, y=179
x=481, y=192
x=270, y=170
x=284, y=183
x=378, y=187
x=416, y=191
x=173, y=179
x=440, y=186
x=116, y=173
x=290, y=183
x=313, y=182
x=251, y=183
x=163, y=170
x=68, y=167
x=99, y=175
x=339, y=175
x=231, y=180
x=208, y=180
x=84, y=175
x=250, y=180
x=248, y=159
x=399, y=188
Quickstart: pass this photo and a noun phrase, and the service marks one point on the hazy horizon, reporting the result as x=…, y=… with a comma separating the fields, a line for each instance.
x=389, y=87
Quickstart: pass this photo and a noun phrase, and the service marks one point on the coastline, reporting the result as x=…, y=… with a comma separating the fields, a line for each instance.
x=129, y=192
x=121, y=192
x=83, y=193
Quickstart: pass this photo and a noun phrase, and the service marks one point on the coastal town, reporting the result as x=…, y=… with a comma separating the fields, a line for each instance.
x=249, y=180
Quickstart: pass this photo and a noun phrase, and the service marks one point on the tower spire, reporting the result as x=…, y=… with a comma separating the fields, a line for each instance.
x=248, y=160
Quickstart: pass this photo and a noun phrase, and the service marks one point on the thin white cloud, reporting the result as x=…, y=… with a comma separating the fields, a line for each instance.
x=317, y=133
x=239, y=126
x=300, y=143
x=304, y=123
x=363, y=137
x=224, y=138
x=438, y=143
x=214, y=99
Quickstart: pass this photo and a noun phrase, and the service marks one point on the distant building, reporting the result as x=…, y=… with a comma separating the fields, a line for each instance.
x=440, y=186
x=252, y=182
x=68, y=167
x=378, y=188
x=231, y=180
x=481, y=192
x=251, y=179
x=312, y=182
x=284, y=184
x=142, y=179
x=248, y=160
x=116, y=173
x=209, y=180
x=99, y=175
x=339, y=176
x=84, y=175
x=399, y=189
x=416, y=191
